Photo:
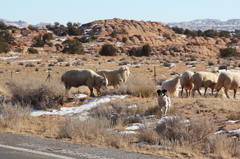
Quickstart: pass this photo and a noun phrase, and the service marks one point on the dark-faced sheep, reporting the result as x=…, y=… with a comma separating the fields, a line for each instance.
x=164, y=101
x=228, y=80
x=116, y=77
x=204, y=79
x=86, y=77
x=186, y=82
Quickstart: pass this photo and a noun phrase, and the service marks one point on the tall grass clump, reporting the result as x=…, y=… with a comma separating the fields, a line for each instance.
x=224, y=147
x=13, y=116
x=36, y=92
x=140, y=87
x=83, y=129
x=177, y=131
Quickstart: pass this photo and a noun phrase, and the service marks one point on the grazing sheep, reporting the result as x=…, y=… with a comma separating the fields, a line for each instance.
x=164, y=101
x=172, y=86
x=86, y=77
x=228, y=80
x=186, y=82
x=116, y=77
x=204, y=79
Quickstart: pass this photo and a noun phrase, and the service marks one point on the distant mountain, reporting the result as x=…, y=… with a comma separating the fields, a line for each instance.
x=206, y=24
x=22, y=24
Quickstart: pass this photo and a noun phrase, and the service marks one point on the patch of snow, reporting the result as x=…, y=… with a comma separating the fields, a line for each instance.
x=232, y=121
x=127, y=132
x=132, y=106
x=33, y=60
x=86, y=105
x=135, y=126
x=7, y=58
x=79, y=95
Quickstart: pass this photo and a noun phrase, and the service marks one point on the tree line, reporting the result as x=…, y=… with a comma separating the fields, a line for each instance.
x=199, y=33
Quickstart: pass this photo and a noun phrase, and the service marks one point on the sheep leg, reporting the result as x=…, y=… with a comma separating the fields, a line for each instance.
x=205, y=91
x=235, y=91
x=188, y=93
x=226, y=92
x=182, y=92
x=193, y=92
x=199, y=92
x=67, y=88
x=91, y=92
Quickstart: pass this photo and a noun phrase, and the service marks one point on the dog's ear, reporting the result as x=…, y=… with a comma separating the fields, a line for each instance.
x=159, y=91
x=164, y=91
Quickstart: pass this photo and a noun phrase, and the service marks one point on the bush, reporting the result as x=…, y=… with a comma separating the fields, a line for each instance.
x=177, y=131
x=124, y=39
x=13, y=116
x=36, y=92
x=146, y=50
x=224, y=147
x=73, y=47
x=32, y=50
x=227, y=52
x=108, y=50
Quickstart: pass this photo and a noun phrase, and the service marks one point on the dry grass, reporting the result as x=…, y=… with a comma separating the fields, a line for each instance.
x=224, y=147
x=176, y=139
x=136, y=86
x=13, y=117
x=36, y=92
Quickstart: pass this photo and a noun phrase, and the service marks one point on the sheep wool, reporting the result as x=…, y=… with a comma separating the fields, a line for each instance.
x=172, y=86
x=116, y=77
x=186, y=82
x=228, y=80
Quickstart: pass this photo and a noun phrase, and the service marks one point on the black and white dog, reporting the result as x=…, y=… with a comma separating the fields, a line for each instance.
x=164, y=101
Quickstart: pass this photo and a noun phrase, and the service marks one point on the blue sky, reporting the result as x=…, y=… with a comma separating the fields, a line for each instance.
x=84, y=11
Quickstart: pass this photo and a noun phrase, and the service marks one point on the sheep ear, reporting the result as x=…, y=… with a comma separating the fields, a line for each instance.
x=159, y=91
x=164, y=91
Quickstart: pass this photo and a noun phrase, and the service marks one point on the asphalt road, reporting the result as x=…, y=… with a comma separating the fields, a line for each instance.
x=15, y=146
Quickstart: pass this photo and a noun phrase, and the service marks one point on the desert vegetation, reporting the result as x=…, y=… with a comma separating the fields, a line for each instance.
x=199, y=127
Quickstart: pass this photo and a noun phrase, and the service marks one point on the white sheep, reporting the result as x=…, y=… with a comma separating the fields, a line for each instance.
x=228, y=80
x=116, y=77
x=79, y=77
x=204, y=79
x=186, y=82
x=164, y=101
x=172, y=86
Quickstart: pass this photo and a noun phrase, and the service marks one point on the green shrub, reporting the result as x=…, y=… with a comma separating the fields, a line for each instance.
x=108, y=50
x=124, y=39
x=146, y=50
x=32, y=50
x=73, y=47
x=227, y=52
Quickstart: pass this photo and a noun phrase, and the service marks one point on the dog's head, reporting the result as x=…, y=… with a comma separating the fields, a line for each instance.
x=161, y=92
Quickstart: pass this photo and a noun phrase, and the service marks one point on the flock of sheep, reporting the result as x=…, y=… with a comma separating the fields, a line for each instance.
x=189, y=81
x=192, y=82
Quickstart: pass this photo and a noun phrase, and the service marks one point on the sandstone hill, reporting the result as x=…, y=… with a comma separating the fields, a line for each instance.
x=138, y=33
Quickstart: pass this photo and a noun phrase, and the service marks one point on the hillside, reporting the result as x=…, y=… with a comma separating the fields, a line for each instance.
x=138, y=33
